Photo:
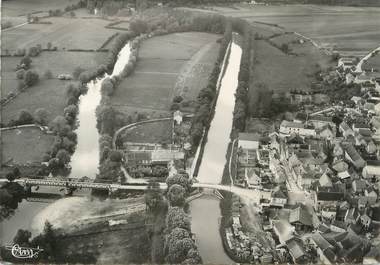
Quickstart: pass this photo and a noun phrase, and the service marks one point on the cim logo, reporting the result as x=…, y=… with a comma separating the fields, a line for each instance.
x=24, y=252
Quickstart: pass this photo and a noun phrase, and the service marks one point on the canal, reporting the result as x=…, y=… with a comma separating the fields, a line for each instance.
x=205, y=211
x=84, y=162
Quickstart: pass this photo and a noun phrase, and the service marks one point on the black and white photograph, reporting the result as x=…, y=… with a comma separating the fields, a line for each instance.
x=220, y=132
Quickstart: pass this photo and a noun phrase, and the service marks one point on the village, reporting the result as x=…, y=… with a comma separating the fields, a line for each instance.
x=323, y=169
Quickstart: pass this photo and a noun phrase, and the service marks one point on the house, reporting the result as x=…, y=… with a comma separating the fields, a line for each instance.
x=323, y=247
x=365, y=220
x=356, y=100
x=353, y=156
x=327, y=197
x=140, y=158
x=340, y=165
x=358, y=185
x=371, y=195
x=279, y=198
x=283, y=230
x=346, y=63
x=359, y=125
x=326, y=132
x=320, y=121
x=301, y=219
x=178, y=117
x=345, y=129
x=297, y=251
x=371, y=171
x=352, y=216
x=248, y=141
x=287, y=128
x=325, y=181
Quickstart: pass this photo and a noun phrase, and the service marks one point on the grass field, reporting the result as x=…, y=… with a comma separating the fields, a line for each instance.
x=162, y=61
x=24, y=145
x=372, y=63
x=64, y=33
x=282, y=72
x=157, y=132
x=50, y=94
x=348, y=29
x=22, y=7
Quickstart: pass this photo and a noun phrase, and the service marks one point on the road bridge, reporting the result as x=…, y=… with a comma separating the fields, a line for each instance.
x=252, y=194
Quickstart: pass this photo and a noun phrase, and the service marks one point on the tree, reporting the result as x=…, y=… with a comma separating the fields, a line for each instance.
x=24, y=117
x=63, y=157
x=176, y=195
x=178, y=250
x=107, y=87
x=59, y=125
x=179, y=179
x=26, y=61
x=31, y=78
x=285, y=48
x=138, y=26
x=22, y=238
x=116, y=156
x=153, y=196
x=20, y=74
x=176, y=217
x=41, y=116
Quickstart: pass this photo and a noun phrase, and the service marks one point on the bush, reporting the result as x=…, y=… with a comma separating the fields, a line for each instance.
x=41, y=116
x=138, y=27
x=31, y=78
x=176, y=195
x=24, y=117
x=20, y=74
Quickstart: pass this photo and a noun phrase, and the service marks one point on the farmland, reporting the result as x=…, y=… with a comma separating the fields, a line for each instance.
x=165, y=65
x=48, y=93
x=34, y=144
x=63, y=33
x=347, y=29
x=372, y=63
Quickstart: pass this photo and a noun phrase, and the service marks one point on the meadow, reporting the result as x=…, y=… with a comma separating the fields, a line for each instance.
x=63, y=33
x=47, y=93
x=346, y=29
x=34, y=144
x=162, y=60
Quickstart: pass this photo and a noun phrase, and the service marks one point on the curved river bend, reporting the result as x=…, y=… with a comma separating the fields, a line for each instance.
x=205, y=211
x=84, y=162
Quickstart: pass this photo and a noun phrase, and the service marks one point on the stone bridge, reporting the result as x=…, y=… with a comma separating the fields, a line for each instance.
x=252, y=194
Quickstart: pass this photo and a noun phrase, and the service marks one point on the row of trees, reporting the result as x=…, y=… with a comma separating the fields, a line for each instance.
x=206, y=96
x=241, y=95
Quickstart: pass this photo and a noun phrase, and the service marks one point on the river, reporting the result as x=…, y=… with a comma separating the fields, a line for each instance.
x=84, y=162
x=205, y=211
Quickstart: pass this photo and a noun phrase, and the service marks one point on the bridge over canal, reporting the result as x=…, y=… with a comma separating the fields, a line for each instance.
x=252, y=194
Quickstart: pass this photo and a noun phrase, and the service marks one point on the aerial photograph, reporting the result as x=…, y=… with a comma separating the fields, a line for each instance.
x=214, y=132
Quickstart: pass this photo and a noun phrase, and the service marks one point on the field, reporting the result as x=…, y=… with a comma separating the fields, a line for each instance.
x=25, y=145
x=157, y=132
x=22, y=7
x=48, y=93
x=164, y=63
x=347, y=29
x=372, y=63
x=281, y=72
x=64, y=33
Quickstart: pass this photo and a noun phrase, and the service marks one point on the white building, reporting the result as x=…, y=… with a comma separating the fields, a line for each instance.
x=249, y=141
x=287, y=128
